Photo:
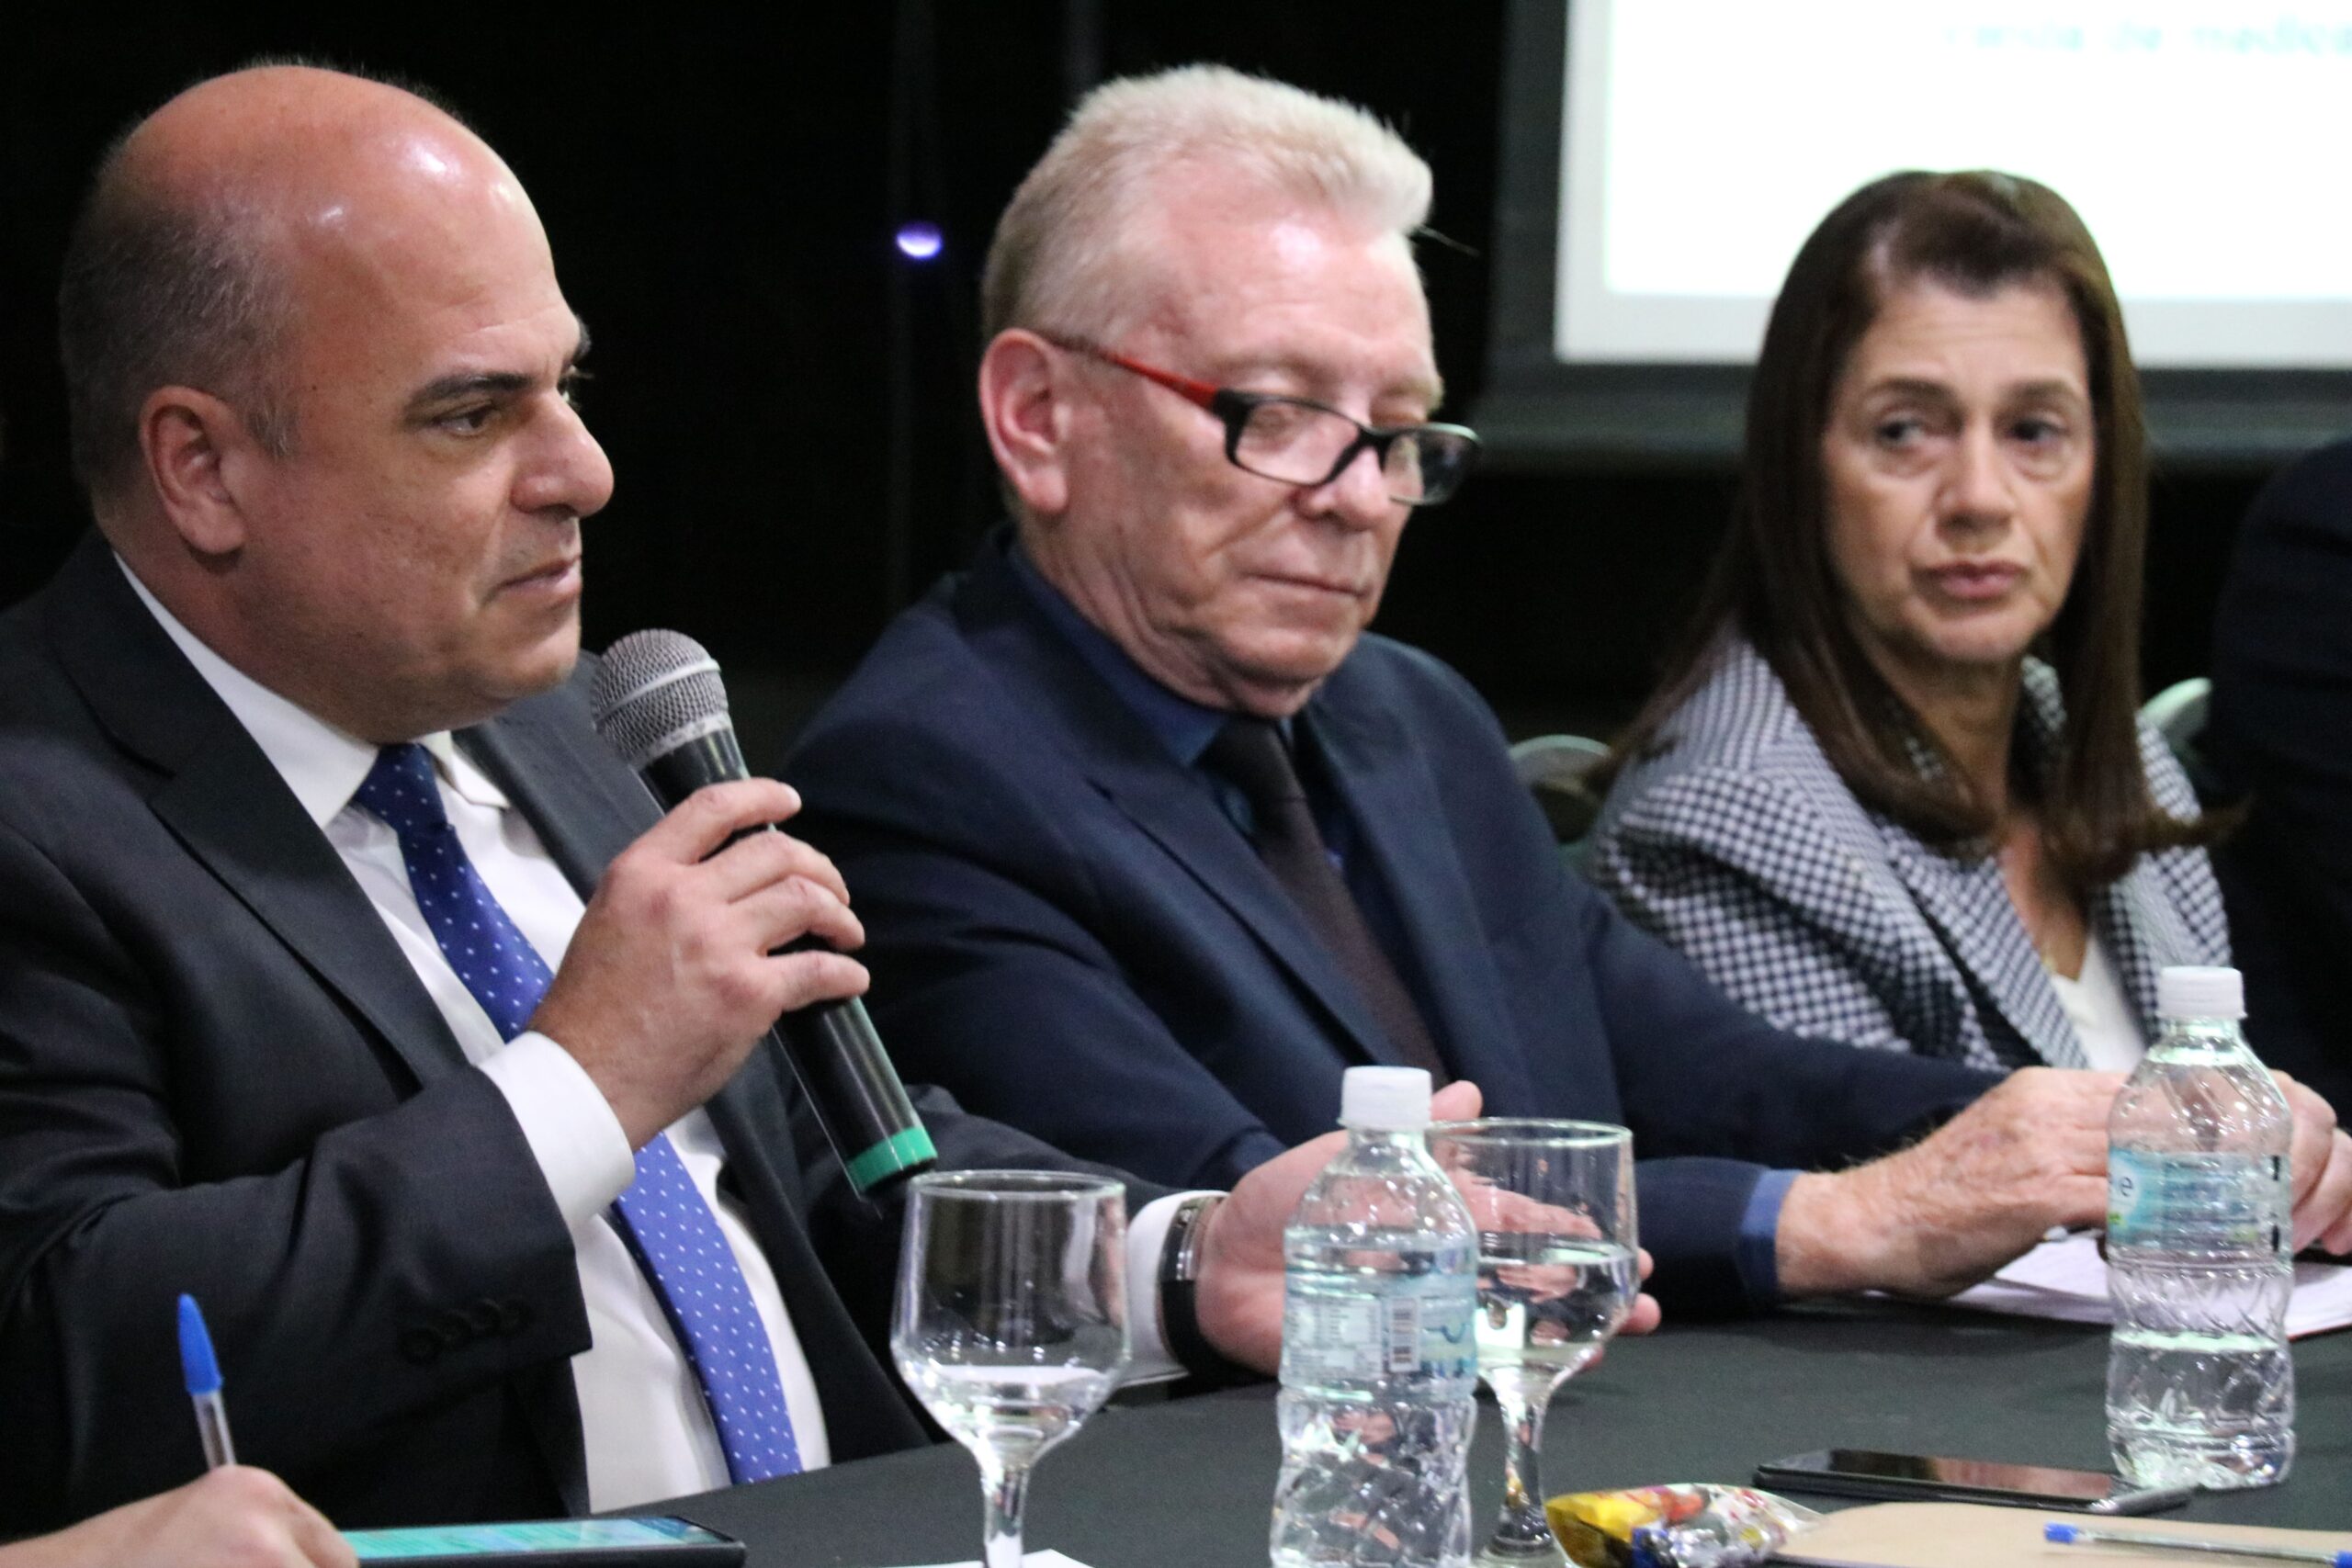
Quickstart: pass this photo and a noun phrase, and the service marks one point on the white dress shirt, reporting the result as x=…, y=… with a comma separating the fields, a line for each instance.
x=647, y=1429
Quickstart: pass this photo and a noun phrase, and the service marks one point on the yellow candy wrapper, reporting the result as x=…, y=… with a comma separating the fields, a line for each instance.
x=1687, y=1526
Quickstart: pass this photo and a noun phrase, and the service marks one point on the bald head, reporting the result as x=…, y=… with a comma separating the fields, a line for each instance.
x=321, y=373
x=203, y=238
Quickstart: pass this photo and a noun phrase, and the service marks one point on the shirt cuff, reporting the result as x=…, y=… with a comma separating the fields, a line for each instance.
x=1147, y=1356
x=575, y=1138
x=1758, y=1256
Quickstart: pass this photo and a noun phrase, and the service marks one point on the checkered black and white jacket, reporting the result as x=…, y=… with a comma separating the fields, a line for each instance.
x=1741, y=846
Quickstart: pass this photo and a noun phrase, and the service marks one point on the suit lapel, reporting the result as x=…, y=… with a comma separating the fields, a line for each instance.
x=1177, y=811
x=1968, y=905
x=1384, y=780
x=224, y=801
x=235, y=814
x=1967, y=902
x=579, y=798
x=1170, y=805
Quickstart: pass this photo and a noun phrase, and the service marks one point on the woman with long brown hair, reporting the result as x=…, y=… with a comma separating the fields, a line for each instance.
x=1894, y=790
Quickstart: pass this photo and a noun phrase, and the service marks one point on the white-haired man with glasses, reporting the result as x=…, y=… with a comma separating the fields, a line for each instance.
x=1151, y=840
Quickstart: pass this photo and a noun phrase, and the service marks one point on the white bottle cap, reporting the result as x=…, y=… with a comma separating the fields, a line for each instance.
x=1384, y=1099
x=2183, y=991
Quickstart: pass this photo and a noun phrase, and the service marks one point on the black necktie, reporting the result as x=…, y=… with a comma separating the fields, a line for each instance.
x=1251, y=753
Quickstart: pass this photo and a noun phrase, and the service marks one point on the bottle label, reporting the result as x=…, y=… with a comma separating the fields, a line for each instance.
x=1415, y=1326
x=2233, y=1200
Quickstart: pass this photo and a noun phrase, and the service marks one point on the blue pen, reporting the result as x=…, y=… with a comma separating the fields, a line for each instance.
x=2071, y=1535
x=203, y=1375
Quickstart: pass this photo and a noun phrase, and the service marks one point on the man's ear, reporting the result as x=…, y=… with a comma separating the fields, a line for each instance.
x=192, y=443
x=1024, y=407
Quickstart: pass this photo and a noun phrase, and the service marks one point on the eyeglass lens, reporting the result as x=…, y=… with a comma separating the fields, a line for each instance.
x=1299, y=443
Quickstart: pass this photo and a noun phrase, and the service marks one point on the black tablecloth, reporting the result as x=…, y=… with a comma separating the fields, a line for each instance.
x=1186, y=1483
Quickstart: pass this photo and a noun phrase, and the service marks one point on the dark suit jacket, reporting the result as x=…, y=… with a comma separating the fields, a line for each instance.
x=1066, y=930
x=219, y=1075
x=2280, y=734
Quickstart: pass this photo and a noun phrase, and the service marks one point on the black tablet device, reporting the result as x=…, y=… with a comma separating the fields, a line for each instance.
x=1866, y=1472
x=641, y=1542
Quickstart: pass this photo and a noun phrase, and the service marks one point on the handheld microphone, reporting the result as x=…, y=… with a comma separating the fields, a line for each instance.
x=658, y=702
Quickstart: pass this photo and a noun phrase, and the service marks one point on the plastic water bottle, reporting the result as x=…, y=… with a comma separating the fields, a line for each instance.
x=2201, y=1386
x=1379, y=1368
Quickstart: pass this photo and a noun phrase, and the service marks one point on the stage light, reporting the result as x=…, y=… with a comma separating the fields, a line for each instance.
x=919, y=241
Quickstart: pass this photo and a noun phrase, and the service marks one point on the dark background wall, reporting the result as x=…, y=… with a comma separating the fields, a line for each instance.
x=721, y=197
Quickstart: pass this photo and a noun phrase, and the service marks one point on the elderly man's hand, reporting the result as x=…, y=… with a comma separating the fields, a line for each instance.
x=1239, y=1299
x=232, y=1518
x=2323, y=1171
x=1949, y=1210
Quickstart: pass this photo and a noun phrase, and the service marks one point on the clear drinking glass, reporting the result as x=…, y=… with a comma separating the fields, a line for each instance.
x=1011, y=1320
x=1557, y=1273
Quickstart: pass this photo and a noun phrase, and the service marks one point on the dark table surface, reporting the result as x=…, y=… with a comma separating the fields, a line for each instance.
x=1186, y=1483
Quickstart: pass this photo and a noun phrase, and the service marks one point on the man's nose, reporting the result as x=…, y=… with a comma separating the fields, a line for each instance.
x=568, y=471
x=1356, y=495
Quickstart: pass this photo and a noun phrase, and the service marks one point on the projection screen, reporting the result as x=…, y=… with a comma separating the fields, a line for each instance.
x=1660, y=175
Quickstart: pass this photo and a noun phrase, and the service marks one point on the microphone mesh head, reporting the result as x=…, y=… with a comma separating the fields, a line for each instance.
x=653, y=691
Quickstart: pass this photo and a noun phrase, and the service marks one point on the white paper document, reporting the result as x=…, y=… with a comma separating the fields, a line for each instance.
x=2067, y=1281
x=1047, y=1559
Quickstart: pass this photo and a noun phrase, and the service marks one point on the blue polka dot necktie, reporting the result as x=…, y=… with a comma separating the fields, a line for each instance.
x=662, y=1217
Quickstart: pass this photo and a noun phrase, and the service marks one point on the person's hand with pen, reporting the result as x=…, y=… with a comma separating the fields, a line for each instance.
x=231, y=1517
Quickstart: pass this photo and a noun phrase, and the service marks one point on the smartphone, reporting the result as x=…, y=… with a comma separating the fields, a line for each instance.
x=665, y=1542
x=1866, y=1472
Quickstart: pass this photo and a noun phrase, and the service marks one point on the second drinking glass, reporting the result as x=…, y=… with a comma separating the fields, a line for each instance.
x=1557, y=1273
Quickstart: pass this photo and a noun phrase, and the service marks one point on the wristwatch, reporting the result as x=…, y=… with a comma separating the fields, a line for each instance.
x=1180, y=1268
